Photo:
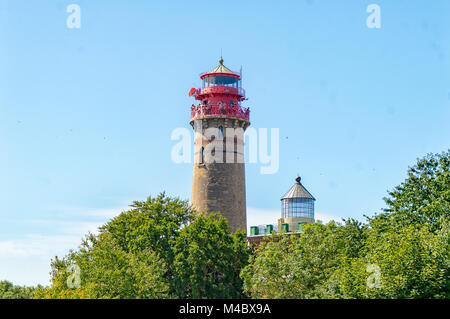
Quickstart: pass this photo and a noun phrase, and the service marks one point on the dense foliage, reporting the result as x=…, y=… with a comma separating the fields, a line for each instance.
x=401, y=253
x=425, y=195
x=161, y=248
x=297, y=266
x=10, y=291
x=208, y=260
x=158, y=249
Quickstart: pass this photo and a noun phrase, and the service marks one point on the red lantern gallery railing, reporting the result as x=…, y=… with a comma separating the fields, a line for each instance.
x=224, y=110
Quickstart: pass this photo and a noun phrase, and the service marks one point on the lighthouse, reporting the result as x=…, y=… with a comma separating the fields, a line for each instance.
x=219, y=121
x=297, y=208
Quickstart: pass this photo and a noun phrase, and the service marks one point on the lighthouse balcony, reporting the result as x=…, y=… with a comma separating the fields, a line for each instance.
x=201, y=111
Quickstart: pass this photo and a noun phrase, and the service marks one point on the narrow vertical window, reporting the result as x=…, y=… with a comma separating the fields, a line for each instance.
x=202, y=155
x=220, y=133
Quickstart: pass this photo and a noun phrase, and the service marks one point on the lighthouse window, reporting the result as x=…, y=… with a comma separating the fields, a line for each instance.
x=221, y=80
x=202, y=155
x=297, y=208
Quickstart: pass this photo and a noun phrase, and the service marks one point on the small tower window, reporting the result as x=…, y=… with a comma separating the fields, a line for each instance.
x=202, y=155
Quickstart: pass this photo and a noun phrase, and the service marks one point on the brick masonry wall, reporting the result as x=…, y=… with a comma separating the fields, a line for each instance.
x=220, y=187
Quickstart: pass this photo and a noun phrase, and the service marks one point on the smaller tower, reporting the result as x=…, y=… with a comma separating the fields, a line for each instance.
x=297, y=208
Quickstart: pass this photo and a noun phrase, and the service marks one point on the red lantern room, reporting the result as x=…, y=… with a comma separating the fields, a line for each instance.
x=221, y=95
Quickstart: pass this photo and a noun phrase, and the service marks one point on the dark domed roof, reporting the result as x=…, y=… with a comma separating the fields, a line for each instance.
x=298, y=191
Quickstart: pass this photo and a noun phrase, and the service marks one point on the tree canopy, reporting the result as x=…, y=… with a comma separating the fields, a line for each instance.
x=160, y=248
x=10, y=291
x=424, y=197
x=401, y=253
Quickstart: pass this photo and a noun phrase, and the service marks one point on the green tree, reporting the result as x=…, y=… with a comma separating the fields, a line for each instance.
x=151, y=224
x=298, y=266
x=112, y=272
x=409, y=262
x=10, y=291
x=424, y=196
x=158, y=249
x=208, y=259
x=341, y=261
x=107, y=271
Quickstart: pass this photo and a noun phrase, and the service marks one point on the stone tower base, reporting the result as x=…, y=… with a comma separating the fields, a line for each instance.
x=220, y=187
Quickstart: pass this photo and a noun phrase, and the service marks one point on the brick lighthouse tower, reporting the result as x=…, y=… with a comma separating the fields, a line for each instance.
x=219, y=122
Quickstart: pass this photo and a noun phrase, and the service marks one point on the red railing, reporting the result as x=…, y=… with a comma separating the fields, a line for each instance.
x=224, y=110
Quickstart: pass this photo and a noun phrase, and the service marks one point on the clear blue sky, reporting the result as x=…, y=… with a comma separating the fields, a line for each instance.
x=86, y=114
